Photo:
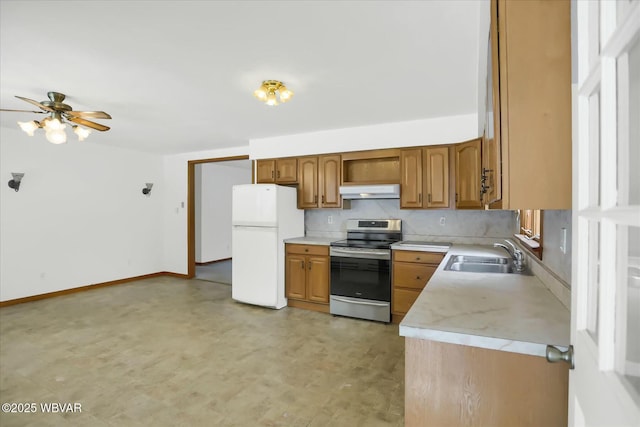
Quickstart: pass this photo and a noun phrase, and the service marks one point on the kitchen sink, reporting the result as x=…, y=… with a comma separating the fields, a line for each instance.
x=476, y=264
x=479, y=259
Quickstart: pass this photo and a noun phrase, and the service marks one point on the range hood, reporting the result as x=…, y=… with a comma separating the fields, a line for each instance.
x=386, y=191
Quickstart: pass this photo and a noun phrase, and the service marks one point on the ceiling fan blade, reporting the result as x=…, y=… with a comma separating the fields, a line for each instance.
x=87, y=123
x=24, y=111
x=36, y=103
x=90, y=114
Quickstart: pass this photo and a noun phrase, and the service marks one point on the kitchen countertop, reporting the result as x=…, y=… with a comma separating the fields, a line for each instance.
x=508, y=312
x=310, y=240
x=416, y=245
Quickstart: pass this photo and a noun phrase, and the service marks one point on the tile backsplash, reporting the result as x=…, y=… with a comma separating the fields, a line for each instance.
x=458, y=226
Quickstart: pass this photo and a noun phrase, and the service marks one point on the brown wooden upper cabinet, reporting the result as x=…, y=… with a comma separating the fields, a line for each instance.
x=279, y=171
x=530, y=111
x=424, y=181
x=319, y=182
x=468, y=175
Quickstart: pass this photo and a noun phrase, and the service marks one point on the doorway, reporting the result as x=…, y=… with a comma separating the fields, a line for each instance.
x=192, y=205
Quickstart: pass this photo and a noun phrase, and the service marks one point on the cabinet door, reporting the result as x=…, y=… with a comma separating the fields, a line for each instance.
x=437, y=177
x=287, y=170
x=491, y=149
x=534, y=49
x=403, y=299
x=266, y=172
x=468, y=175
x=318, y=279
x=412, y=275
x=295, y=276
x=308, y=182
x=329, y=182
x=411, y=178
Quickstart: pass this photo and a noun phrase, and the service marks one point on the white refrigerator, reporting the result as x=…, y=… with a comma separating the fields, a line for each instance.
x=262, y=216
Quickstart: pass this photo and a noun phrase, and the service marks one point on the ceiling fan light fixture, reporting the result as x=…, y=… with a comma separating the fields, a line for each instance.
x=273, y=92
x=58, y=114
x=29, y=127
x=53, y=124
x=56, y=136
x=82, y=133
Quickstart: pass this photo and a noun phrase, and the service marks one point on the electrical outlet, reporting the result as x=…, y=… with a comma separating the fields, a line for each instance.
x=442, y=220
x=563, y=240
x=330, y=219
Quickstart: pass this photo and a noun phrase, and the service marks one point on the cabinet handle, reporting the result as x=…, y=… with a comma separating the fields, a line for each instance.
x=429, y=198
x=302, y=264
x=306, y=249
x=555, y=355
x=417, y=258
x=419, y=197
x=272, y=174
x=315, y=199
x=417, y=277
x=278, y=174
x=322, y=199
x=456, y=197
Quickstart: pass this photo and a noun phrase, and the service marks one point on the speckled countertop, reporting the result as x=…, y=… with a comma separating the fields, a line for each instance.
x=310, y=240
x=508, y=312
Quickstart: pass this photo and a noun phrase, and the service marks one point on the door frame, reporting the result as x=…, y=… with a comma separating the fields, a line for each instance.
x=191, y=206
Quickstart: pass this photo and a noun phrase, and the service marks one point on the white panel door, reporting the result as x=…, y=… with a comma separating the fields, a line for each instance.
x=604, y=388
x=254, y=274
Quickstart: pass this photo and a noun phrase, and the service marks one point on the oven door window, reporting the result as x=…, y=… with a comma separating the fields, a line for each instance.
x=361, y=278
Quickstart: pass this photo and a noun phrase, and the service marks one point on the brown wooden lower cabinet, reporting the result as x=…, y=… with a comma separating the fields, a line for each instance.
x=458, y=385
x=307, y=276
x=411, y=270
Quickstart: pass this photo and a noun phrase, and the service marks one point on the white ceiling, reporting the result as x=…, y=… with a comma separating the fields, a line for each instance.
x=178, y=76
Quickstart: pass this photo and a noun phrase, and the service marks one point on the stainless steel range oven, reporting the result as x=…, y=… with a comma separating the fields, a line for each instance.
x=361, y=269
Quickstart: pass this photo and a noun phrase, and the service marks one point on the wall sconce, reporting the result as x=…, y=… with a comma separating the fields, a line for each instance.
x=15, y=182
x=147, y=189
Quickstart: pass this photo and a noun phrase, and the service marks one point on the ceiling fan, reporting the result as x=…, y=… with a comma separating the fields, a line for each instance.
x=58, y=112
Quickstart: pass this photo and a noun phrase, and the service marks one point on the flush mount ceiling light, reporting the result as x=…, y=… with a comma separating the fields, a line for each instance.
x=273, y=92
x=55, y=125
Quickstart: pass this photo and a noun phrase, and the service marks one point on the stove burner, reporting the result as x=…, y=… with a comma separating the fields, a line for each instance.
x=371, y=233
x=363, y=243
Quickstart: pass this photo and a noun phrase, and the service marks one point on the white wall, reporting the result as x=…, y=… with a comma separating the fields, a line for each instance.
x=79, y=218
x=174, y=209
x=213, y=208
x=441, y=130
x=552, y=224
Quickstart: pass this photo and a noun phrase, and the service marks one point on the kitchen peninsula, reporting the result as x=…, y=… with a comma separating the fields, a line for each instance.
x=475, y=347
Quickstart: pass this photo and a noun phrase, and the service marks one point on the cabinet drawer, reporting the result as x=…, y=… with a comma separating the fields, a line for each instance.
x=307, y=249
x=403, y=299
x=417, y=256
x=408, y=275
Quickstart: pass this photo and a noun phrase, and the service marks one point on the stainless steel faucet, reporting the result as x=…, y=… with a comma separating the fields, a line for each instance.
x=514, y=252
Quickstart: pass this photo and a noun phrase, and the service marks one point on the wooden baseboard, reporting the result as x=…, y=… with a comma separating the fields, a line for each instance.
x=323, y=308
x=214, y=261
x=89, y=287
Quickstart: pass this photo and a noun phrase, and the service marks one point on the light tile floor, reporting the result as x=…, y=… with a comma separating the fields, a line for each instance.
x=169, y=352
x=219, y=272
